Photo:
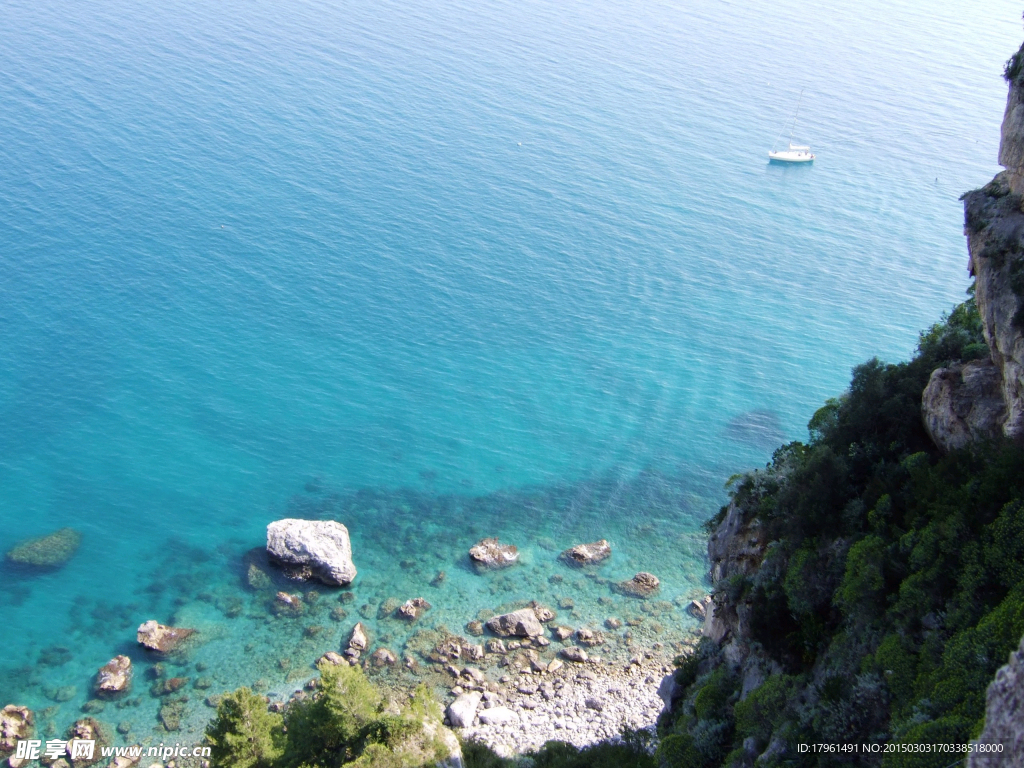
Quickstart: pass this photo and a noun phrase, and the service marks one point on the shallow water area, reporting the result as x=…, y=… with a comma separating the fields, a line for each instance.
x=406, y=544
x=439, y=271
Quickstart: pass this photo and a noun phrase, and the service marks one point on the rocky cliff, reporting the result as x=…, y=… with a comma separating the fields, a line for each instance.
x=1004, y=717
x=848, y=598
x=985, y=397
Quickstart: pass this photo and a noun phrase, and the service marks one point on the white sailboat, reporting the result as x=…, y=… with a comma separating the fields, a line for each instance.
x=794, y=153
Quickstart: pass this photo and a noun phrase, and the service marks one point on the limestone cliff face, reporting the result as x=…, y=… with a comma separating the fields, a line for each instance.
x=964, y=403
x=959, y=405
x=1004, y=717
x=736, y=548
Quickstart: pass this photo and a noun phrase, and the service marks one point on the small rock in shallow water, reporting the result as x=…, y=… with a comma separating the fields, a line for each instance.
x=383, y=657
x=492, y=554
x=588, y=637
x=572, y=653
x=358, y=640
x=642, y=585
x=521, y=623
x=411, y=610
x=115, y=676
x=475, y=628
x=587, y=554
x=562, y=633
x=158, y=637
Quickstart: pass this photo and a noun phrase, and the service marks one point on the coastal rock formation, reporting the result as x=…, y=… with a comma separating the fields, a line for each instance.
x=312, y=549
x=737, y=546
x=115, y=676
x=642, y=585
x=157, y=637
x=50, y=551
x=1004, y=715
x=490, y=554
x=411, y=610
x=587, y=554
x=963, y=403
x=994, y=225
x=521, y=623
x=16, y=724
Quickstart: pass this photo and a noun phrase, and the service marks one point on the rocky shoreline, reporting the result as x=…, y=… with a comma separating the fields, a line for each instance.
x=514, y=681
x=580, y=704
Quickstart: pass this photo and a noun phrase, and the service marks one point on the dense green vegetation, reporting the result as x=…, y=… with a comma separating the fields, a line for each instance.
x=891, y=591
x=347, y=723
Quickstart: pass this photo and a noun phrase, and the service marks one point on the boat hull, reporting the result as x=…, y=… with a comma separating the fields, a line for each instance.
x=790, y=157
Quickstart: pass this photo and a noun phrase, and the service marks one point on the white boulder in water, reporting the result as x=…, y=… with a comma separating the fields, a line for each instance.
x=313, y=549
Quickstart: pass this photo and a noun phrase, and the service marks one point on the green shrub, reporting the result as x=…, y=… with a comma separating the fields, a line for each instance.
x=764, y=708
x=894, y=584
x=244, y=734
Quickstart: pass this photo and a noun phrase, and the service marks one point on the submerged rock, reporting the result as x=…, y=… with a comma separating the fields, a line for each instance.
x=288, y=605
x=521, y=623
x=158, y=637
x=115, y=676
x=257, y=578
x=491, y=554
x=383, y=657
x=588, y=637
x=642, y=585
x=542, y=612
x=50, y=551
x=475, y=628
x=411, y=610
x=312, y=549
x=16, y=724
x=587, y=554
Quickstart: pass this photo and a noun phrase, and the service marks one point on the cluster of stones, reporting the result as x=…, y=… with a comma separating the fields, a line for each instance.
x=580, y=703
x=321, y=550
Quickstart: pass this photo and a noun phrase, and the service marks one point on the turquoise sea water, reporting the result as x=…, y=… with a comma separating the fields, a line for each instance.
x=439, y=271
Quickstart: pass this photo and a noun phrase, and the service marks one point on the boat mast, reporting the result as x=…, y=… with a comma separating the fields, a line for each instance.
x=792, y=129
